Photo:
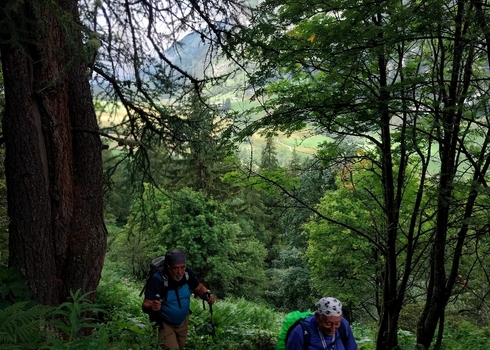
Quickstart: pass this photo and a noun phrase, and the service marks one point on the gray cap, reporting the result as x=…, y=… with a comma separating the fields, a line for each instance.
x=328, y=306
x=174, y=257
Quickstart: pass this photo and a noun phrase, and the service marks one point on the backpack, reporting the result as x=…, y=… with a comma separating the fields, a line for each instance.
x=158, y=264
x=291, y=320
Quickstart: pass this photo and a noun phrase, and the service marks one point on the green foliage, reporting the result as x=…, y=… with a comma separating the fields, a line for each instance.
x=289, y=286
x=352, y=267
x=315, y=179
x=72, y=327
x=132, y=248
x=119, y=295
x=124, y=320
x=268, y=159
x=72, y=317
x=24, y=325
x=239, y=324
x=12, y=286
x=21, y=325
x=409, y=316
x=464, y=335
x=236, y=323
x=217, y=248
x=120, y=186
x=200, y=161
x=220, y=247
x=134, y=261
x=4, y=219
x=376, y=86
x=346, y=240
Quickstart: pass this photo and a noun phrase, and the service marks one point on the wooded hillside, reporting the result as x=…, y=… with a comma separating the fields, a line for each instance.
x=294, y=150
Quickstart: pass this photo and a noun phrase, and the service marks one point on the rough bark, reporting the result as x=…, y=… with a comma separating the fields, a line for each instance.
x=57, y=235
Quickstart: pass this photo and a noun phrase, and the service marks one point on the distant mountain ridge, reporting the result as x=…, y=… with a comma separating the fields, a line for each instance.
x=189, y=54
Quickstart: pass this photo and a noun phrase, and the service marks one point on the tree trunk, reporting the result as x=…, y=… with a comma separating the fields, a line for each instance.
x=57, y=235
x=388, y=324
x=441, y=283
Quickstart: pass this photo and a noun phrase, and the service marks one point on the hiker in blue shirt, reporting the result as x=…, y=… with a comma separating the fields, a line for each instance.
x=168, y=298
x=323, y=328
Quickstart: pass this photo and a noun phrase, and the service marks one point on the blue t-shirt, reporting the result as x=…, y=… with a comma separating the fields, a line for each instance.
x=171, y=312
x=295, y=338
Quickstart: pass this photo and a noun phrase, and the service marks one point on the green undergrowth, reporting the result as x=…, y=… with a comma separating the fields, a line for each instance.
x=115, y=322
x=233, y=323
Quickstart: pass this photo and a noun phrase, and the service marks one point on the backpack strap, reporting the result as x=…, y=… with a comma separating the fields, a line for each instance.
x=306, y=335
x=165, y=286
x=304, y=330
x=343, y=334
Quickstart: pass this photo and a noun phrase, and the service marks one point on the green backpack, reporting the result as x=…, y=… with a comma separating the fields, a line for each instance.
x=294, y=318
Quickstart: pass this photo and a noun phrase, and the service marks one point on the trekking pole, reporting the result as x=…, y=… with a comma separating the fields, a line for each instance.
x=207, y=296
x=156, y=325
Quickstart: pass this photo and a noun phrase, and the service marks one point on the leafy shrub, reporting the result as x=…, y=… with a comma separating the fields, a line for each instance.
x=72, y=317
x=21, y=324
x=12, y=287
x=71, y=320
x=238, y=324
x=461, y=334
x=219, y=250
x=118, y=294
x=124, y=319
x=409, y=316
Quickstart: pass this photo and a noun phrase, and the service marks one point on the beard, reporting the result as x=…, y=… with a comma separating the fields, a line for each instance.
x=176, y=278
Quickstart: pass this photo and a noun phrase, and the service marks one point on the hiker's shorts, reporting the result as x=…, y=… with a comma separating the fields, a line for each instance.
x=173, y=337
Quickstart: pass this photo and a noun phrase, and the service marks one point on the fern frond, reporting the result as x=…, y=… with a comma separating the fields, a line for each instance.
x=20, y=324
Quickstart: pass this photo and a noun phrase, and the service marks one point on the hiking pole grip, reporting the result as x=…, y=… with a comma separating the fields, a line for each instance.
x=208, y=296
x=205, y=297
x=159, y=298
x=156, y=325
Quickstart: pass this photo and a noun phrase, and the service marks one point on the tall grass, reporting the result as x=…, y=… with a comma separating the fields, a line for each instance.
x=234, y=324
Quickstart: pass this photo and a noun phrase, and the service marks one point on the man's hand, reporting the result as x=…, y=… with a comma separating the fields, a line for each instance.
x=150, y=306
x=204, y=293
x=209, y=297
x=156, y=305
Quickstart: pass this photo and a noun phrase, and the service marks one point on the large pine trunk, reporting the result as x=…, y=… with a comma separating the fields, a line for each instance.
x=57, y=235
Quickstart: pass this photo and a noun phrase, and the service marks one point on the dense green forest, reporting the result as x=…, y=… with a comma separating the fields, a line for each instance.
x=294, y=150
